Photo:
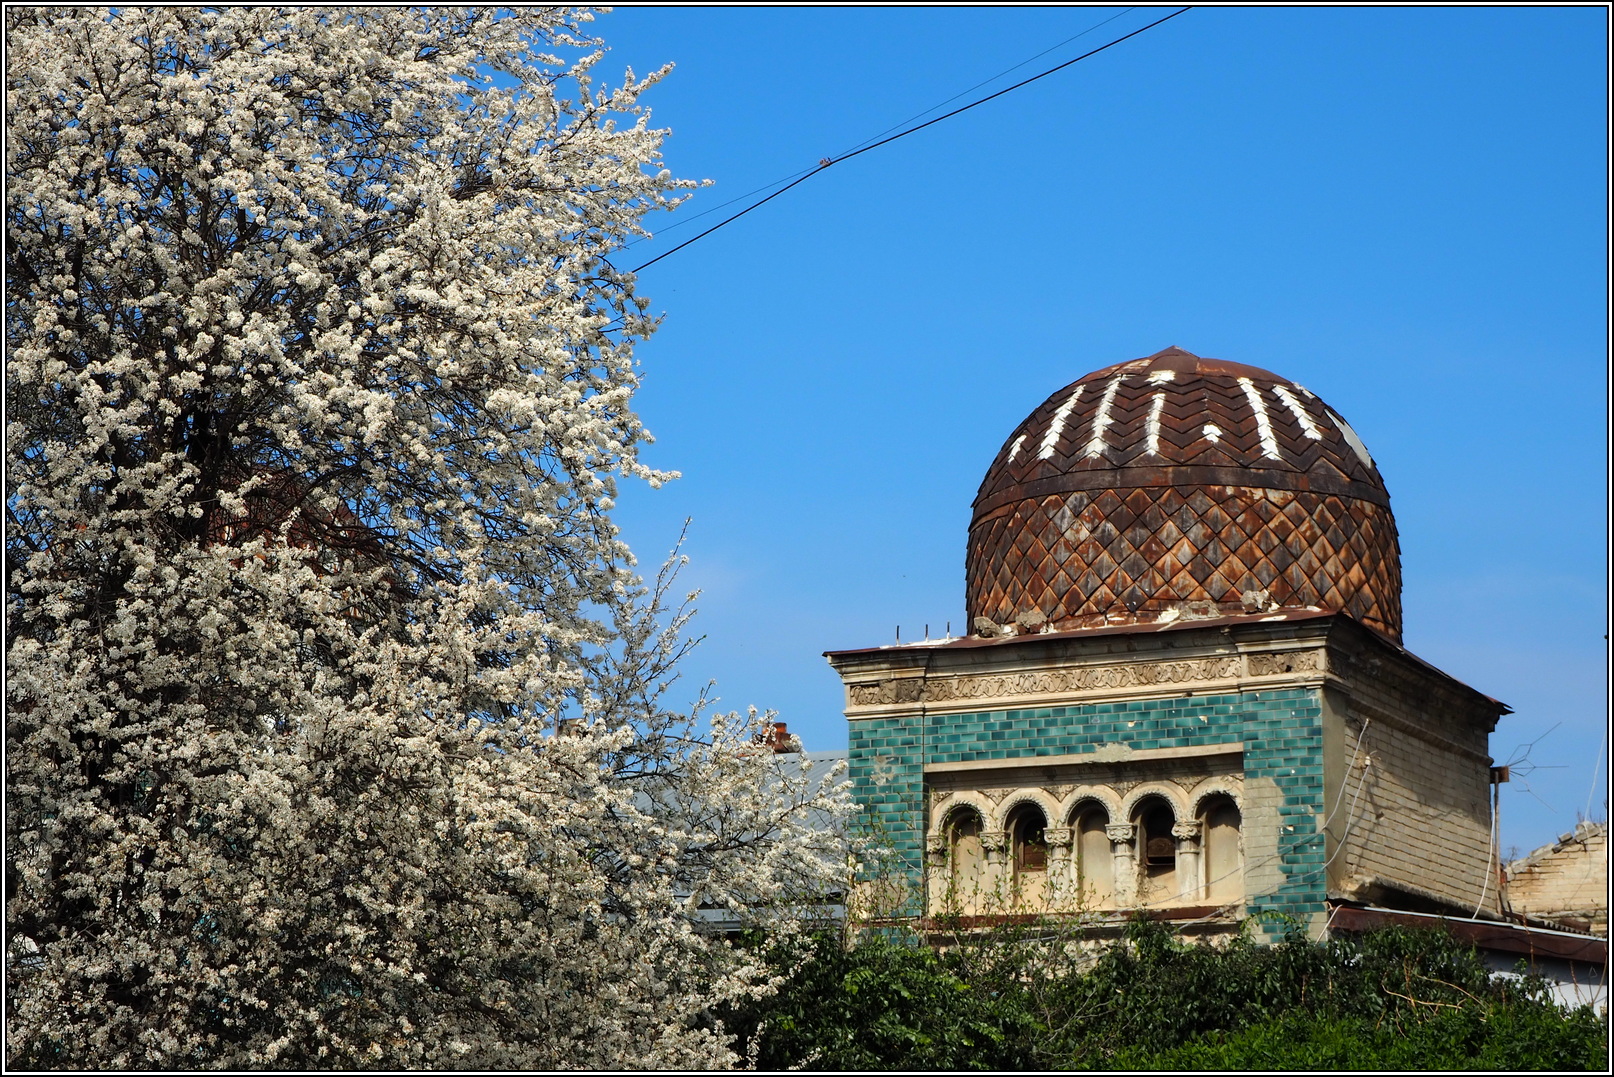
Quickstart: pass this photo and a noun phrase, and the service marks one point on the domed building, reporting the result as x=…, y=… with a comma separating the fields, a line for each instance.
x=1175, y=480
x=1184, y=689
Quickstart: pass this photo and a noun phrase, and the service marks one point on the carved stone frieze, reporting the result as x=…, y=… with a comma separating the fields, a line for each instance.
x=1267, y=665
x=1041, y=682
x=903, y=690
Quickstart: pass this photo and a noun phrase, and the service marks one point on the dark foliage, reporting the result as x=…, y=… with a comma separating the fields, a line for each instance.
x=1394, y=999
x=882, y=1004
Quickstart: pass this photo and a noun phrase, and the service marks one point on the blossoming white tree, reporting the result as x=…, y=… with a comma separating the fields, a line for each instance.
x=334, y=732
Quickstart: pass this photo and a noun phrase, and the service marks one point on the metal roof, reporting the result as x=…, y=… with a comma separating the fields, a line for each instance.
x=1173, y=479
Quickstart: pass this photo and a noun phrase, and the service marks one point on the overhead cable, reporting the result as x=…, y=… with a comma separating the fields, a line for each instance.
x=828, y=161
x=692, y=218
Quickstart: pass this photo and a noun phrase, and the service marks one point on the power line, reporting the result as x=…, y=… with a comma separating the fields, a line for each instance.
x=828, y=161
x=691, y=219
x=994, y=78
x=737, y=198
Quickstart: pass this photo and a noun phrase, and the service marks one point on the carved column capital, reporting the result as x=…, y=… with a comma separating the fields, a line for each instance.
x=1121, y=833
x=1058, y=835
x=936, y=844
x=994, y=841
x=1186, y=832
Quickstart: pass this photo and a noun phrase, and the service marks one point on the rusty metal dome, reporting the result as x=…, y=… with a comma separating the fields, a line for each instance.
x=1175, y=486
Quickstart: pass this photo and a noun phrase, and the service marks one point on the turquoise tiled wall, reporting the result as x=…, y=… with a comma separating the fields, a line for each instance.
x=1281, y=733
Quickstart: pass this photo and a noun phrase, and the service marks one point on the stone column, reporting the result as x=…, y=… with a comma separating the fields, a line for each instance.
x=1123, y=840
x=1061, y=864
x=937, y=872
x=1190, y=882
x=997, y=881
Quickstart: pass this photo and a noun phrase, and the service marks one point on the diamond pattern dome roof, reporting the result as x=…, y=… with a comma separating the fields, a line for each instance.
x=1174, y=485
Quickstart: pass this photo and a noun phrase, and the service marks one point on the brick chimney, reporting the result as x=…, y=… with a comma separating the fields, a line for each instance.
x=777, y=738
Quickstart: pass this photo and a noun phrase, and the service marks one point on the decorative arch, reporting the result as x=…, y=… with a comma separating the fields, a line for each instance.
x=961, y=800
x=1039, y=797
x=1231, y=788
x=1157, y=809
x=1166, y=791
x=1221, y=818
x=1026, y=820
x=1088, y=814
x=956, y=844
x=1101, y=796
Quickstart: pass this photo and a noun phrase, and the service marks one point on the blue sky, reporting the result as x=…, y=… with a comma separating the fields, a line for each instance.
x=1402, y=209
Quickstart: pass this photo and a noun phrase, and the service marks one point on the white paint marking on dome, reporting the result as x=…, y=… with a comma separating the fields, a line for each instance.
x=1014, y=450
x=1263, y=425
x=1299, y=412
x=1160, y=377
x=1154, y=422
x=1303, y=389
x=1213, y=432
x=1101, y=421
x=1057, y=426
x=1350, y=438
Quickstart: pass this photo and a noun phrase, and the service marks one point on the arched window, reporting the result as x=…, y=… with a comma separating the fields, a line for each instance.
x=1224, y=858
x=1157, y=849
x=1026, y=824
x=956, y=889
x=1028, y=856
x=964, y=853
x=1095, y=859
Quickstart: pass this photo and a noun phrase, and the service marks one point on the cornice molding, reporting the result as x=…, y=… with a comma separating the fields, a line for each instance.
x=1053, y=684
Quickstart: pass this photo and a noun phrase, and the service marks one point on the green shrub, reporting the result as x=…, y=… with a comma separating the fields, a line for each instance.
x=879, y=1004
x=1463, y=1038
x=1014, y=998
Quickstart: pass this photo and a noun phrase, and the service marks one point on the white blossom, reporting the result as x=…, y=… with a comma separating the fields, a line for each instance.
x=335, y=733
